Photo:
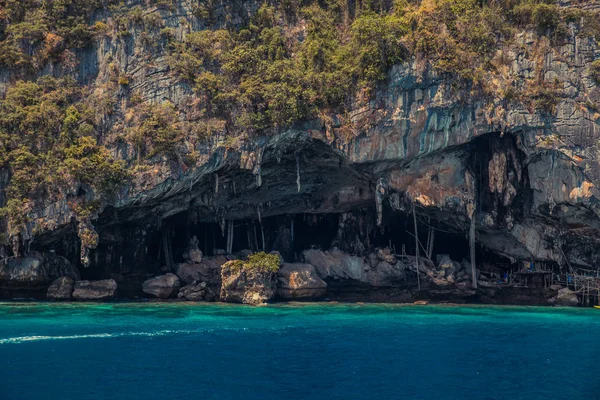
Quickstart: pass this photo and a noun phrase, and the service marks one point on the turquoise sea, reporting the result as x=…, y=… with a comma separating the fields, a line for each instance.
x=296, y=351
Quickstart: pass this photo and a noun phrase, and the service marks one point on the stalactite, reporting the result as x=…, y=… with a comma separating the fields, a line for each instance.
x=298, y=171
x=379, y=194
x=292, y=229
x=216, y=183
x=258, y=167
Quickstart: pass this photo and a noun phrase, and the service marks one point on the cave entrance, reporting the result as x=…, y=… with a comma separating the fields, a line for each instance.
x=398, y=231
x=288, y=234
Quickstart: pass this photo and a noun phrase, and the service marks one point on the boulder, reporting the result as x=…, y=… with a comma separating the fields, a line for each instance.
x=95, y=290
x=61, y=288
x=196, y=291
x=209, y=271
x=163, y=286
x=565, y=297
x=247, y=284
x=299, y=281
x=336, y=265
x=384, y=274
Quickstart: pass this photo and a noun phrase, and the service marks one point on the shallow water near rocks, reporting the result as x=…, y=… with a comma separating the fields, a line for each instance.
x=296, y=351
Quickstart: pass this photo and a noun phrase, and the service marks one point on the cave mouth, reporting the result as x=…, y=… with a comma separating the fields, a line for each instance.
x=132, y=250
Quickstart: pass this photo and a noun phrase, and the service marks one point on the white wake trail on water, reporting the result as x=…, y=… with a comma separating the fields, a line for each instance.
x=25, y=339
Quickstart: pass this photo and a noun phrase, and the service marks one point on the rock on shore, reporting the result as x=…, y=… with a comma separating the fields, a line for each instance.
x=163, y=286
x=300, y=281
x=61, y=289
x=95, y=290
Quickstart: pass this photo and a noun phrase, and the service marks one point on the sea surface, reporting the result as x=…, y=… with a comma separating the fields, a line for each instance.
x=296, y=351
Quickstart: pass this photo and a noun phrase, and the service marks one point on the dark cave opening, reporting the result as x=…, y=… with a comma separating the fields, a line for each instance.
x=492, y=151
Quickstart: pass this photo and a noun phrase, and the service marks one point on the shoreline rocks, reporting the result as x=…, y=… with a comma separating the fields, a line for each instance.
x=61, y=289
x=163, y=286
x=95, y=290
x=250, y=282
x=300, y=281
x=196, y=291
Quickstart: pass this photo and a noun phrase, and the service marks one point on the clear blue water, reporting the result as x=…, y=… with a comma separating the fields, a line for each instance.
x=318, y=351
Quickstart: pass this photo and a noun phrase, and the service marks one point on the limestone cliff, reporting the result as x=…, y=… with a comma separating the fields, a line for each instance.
x=521, y=157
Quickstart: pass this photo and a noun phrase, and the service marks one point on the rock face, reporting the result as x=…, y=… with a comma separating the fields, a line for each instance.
x=246, y=286
x=95, y=290
x=163, y=286
x=197, y=291
x=300, y=282
x=61, y=289
x=31, y=269
x=532, y=173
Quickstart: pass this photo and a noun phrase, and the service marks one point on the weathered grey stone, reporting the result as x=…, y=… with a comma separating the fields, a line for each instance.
x=336, y=265
x=61, y=288
x=197, y=291
x=31, y=269
x=163, y=286
x=209, y=271
x=95, y=290
x=299, y=281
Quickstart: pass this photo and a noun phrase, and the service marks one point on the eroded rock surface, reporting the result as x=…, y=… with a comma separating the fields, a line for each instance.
x=240, y=285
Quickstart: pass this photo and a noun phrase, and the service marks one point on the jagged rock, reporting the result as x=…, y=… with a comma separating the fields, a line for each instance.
x=61, y=288
x=163, y=286
x=209, y=270
x=196, y=291
x=565, y=297
x=300, y=281
x=336, y=265
x=95, y=290
x=247, y=286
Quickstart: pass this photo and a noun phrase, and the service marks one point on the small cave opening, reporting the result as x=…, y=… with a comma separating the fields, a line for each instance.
x=398, y=233
x=502, y=180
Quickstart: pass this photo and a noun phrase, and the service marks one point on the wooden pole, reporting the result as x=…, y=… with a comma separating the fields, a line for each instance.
x=472, y=248
x=416, y=245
